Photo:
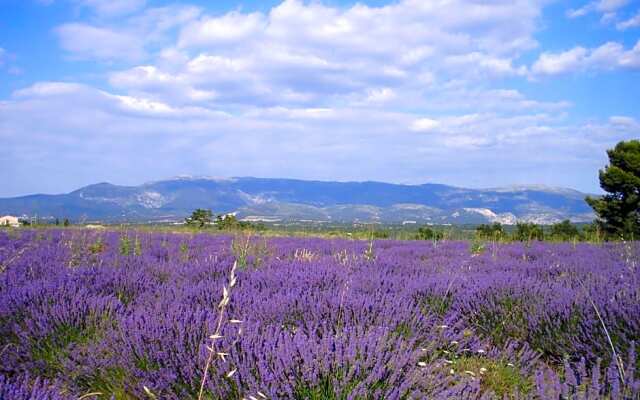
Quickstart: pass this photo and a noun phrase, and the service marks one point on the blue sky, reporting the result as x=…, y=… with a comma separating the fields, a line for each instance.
x=468, y=93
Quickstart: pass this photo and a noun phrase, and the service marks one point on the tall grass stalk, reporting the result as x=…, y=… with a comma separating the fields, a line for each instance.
x=226, y=296
x=617, y=359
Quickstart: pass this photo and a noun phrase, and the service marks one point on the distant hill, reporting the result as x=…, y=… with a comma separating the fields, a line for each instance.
x=289, y=200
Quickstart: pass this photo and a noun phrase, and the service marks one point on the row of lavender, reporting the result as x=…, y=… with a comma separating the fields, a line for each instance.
x=130, y=315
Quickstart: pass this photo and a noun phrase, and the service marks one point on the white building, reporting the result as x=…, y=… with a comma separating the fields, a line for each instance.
x=9, y=221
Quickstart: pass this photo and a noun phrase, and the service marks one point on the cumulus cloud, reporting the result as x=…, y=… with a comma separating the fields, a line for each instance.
x=90, y=42
x=633, y=22
x=424, y=125
x=212, y=31
x=608, y=56
x=127, y=41
x=356, y=92
x=624, y=122
x=557, y=63
x=607, y=8
x=113, y=8
x=313, y=54
x=120, y=133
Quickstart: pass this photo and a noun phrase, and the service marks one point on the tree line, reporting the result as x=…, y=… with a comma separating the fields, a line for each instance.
x=617, y=211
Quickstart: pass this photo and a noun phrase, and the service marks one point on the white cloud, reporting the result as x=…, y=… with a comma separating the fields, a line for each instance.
x=231, y=27
x=625, y=122
x=611, y=5
x=130, y=39
x=381, y=95
x=123, y=133
x=580, y=12
x=607, y=8
x=311, y=54
x=148, y=78
x=90, y=42
x=608, y=56
x=552, y=64
x=46, y=89
x=424, y=125
x=317, y=86
x=113, y=8
x=633, y=22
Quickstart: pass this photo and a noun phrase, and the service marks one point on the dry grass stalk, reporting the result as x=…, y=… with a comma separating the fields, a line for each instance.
x=617, y=359
x=226, y=297
x=304, y=255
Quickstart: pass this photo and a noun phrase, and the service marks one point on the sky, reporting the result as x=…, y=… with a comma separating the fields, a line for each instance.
x=467, y=93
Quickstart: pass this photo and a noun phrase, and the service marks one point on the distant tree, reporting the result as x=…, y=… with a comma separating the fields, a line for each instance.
x=592, y=232
x=57, y=222
x=260, y=227
x=426, y=233
x=618, y=211
x=380, y=235
x=528, y=231
x=199, y=218
x=494, y=231
x=66, y=222
x=227, y=222
x=565, y=230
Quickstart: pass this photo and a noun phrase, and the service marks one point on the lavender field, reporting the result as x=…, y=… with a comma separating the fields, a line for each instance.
x=132, y=315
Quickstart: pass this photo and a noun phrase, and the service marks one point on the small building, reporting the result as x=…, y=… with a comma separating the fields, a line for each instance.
x=94, y=226
x=9, y=220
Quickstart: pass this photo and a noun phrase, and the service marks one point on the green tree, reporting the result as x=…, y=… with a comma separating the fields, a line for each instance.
x=426, y=233
x=618, y=211
x=526, y=231
x=494, y=231
x=66, y=222
x=199, y=218
x=565, y=230
x=227, y=222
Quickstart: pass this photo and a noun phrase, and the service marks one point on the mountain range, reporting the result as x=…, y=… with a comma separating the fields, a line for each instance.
x=263, y=199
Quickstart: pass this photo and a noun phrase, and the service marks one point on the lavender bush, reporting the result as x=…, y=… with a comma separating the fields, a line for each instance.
x=132, y=315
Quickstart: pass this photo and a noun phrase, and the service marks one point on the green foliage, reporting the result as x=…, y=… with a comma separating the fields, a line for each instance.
x=249, y=252
x=426, y=233
x=97, y=247
x=476, y=247
x=526, y=232
x=436, y=303
x=565, y=230
x=380, y=235
x=66, y=222
x=125, y=245
x=230, y=222
x=55, y=348
x=494, y=231
x=504, y=321
x=200, y=218
x=333, y=387
x=497, y=376
x=619, y=210
x=402, y=330
x=110, y=382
